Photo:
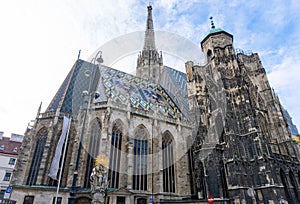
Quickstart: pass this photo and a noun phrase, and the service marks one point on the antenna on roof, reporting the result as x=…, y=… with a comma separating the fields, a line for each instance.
x=212, y=22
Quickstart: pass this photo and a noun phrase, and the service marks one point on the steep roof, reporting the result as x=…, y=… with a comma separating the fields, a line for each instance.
x=168, y=99
x=174, y=82
x=69, y=96
x=124, y=88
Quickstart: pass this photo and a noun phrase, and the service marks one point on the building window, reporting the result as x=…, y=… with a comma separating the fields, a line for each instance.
x=12, y=161
x=115, y=155
x=141, y=201
x=15, y=149
x=120, y=200
x=93, y=151
x=140, y=151
x=2, y=147
x=37, y=156
x=7, y=176
x=59, y=200
x=28, y=200
x=168, y=164
x=209, y=55
x=2, y=192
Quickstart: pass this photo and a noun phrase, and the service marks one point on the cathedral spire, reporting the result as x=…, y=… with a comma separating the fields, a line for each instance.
x=149, y=62
x=149, y=41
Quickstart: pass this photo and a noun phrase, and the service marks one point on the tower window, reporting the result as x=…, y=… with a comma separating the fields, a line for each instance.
x=209, y=55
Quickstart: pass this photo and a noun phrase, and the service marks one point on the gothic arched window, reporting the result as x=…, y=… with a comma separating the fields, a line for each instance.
x=140, y=159
x=37, y=156
x=115, y=155
x=285, y=184
x=168, y=163
x=209, y=55
x=93, y=150
x=294, y=184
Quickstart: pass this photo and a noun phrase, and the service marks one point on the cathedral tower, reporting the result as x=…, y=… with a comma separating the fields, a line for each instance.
x=239, y=143
x=149, y=62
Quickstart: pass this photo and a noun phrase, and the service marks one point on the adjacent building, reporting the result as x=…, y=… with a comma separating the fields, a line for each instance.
x=9, y=149
x=170, y=137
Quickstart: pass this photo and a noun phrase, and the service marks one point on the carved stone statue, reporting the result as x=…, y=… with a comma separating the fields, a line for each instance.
x=99, y=178
x=99, y=183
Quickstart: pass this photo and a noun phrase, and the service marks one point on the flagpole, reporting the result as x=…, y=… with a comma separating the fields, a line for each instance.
x=63, y=161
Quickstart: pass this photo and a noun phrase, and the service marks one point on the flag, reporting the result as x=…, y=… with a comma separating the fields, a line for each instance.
x=55, y=162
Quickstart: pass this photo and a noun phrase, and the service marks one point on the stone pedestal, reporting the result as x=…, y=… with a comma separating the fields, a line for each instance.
x=98, y=197
x=98, y=184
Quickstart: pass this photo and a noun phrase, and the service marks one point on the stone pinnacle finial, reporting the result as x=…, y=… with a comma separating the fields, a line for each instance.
x=212, y=22
x=149, y=19
x=149, y=34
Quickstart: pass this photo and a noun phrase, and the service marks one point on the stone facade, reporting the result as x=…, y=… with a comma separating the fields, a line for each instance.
x=232, y=143
x=252, y=156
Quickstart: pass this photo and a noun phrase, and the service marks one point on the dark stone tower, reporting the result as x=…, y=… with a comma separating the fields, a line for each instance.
x=243, y=150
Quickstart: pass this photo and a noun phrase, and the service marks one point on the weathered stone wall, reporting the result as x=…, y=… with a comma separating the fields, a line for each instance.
x=254, y=136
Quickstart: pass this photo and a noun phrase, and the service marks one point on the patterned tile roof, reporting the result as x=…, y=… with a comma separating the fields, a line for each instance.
x=174, y=83
x=167, y=99
x=125, y=88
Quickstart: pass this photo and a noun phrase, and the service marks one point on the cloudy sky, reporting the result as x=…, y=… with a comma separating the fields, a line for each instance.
x=40, y=39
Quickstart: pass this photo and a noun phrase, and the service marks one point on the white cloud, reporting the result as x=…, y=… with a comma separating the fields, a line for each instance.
x=284, y=75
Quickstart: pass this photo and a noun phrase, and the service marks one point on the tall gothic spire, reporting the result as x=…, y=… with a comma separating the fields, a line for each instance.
x=149, y=62
x=149, y=43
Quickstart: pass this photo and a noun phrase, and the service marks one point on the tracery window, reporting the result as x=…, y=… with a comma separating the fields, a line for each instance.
x=168, y=164
x=93, y=150
x=294, y=185
x=115, y=155
x=37, y=156
x=285, y=184
x=140, y=162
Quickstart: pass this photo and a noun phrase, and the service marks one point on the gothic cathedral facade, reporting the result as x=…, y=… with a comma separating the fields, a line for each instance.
x=170, y=137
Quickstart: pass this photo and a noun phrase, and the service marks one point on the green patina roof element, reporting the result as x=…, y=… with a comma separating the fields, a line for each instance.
x=214, y=30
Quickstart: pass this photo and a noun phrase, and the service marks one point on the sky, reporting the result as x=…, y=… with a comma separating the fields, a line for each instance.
x=40, y=40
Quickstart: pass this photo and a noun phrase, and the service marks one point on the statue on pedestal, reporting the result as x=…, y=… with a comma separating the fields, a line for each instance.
x=98, y=180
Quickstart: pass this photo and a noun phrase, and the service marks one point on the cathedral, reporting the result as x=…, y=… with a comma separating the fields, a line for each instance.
x=217, y=131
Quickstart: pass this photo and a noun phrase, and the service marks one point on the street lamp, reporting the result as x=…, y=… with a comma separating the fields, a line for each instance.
x=85, y=107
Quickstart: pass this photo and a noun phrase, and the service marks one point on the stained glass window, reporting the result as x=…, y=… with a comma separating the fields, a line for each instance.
x=93, y=150
x=168, y=164
x=37, y=156
x=140, y=159
x=115, y=155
